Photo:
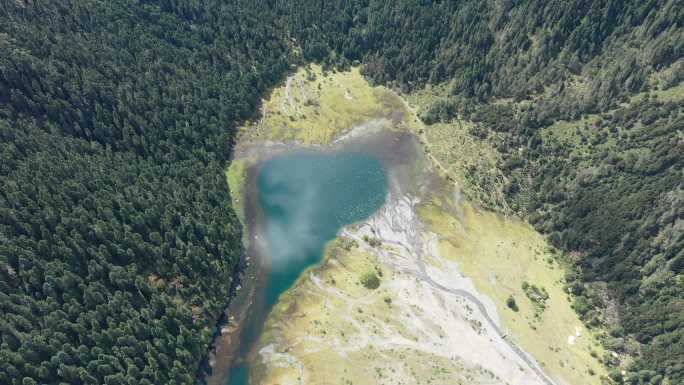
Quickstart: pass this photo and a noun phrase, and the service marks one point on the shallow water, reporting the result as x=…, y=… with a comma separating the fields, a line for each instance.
x=306, y=197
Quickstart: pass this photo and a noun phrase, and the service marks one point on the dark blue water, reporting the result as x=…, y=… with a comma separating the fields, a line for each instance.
x=306, y=197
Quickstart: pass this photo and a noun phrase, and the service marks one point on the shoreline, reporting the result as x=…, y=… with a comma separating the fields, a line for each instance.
x=240, y=326
x=227, y=343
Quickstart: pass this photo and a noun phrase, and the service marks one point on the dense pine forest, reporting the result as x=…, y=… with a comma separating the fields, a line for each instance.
x=118, y=243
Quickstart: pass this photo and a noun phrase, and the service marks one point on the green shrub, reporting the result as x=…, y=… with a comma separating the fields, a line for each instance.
x=510, y=302
x=370, y=280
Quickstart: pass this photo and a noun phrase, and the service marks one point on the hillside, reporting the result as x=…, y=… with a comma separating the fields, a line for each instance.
x=117, y=119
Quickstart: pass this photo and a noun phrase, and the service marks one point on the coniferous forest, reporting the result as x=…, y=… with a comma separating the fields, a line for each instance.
x=118, y=245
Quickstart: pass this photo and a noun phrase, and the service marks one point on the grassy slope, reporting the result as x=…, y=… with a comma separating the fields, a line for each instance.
x=452, y=145
x=499, y=254
x=570, y=132
x=473, y=163
x=583, y=140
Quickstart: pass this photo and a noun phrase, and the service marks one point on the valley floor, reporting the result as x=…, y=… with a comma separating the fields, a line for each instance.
x=446, y=270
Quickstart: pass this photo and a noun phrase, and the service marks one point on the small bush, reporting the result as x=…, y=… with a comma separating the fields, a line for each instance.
x=510, y=302
x=370, y=280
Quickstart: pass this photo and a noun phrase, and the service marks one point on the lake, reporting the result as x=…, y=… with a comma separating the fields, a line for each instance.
x=306, y=197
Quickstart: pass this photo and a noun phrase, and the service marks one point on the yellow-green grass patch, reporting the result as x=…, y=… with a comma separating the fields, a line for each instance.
x=316, y=106
x=674, y=93
x=236, y=176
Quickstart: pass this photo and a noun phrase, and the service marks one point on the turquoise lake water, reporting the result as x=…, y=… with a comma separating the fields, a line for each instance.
x=306, y=197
